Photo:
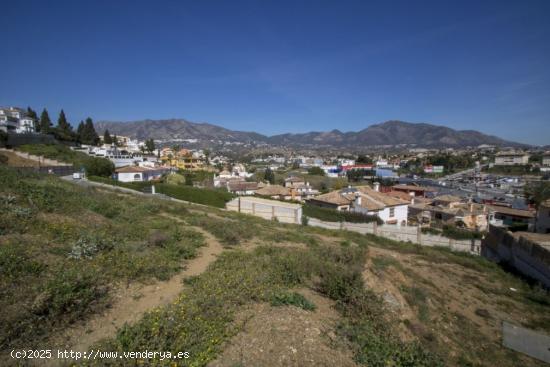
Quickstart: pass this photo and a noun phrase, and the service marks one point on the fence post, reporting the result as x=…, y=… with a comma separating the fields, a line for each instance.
x=239, y=209
x=419, y=235
x=341, y=225
x=153, y=189
x=296, y=216
x=375, y=228
x=253, y=208
x=272, y=212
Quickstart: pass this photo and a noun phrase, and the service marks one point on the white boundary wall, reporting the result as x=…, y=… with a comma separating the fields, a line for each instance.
x=267, y=209
x=292, y=213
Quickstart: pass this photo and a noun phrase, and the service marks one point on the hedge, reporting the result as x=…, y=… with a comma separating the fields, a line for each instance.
x=459, y=234
x=332, y=215
x=215, y=198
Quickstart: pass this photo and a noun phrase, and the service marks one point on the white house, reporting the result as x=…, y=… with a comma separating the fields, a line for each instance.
x=366, y=200
x=15, y=120
x=138, y=174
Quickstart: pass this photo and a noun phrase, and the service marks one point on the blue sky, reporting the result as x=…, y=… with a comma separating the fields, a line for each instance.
x=277, y=66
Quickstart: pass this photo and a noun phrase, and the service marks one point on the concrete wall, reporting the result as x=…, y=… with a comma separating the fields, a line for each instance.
x=526, y=256
x=267, y=209
x=289, y=213
x=411, y=234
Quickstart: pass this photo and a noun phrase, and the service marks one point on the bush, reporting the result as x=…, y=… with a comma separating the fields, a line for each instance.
x=157, y=239
x=332, y=215
x=99, y=167
x=459, y=234
x=292, y=299
x=209, y=197
x=316, y=171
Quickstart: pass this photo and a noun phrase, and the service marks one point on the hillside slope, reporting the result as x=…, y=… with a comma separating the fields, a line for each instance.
x=299, y=295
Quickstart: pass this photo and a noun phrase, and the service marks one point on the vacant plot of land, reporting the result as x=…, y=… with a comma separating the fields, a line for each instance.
x=267, y=294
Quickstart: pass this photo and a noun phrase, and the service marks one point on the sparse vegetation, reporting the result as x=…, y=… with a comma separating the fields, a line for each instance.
x=332, y=215
x=66, y=268
x=292, y=299
x=63, y=247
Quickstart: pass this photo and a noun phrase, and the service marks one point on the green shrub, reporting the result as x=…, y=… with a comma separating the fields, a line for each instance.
x=459, y=234
x=71, y=292
x=430, y=230
x=99, y=167
x=332, y=215
x=215, y=198
x=292, y=299
x=16, y=262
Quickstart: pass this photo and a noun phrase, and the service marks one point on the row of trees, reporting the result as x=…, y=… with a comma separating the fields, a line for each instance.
x=85, y=132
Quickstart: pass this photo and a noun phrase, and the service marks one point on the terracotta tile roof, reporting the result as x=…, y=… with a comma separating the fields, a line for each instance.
x=272, y=190
x=381, y=197
x=370, y=198
x=448, y=198
x=511, y=211
x=399, y=195
x=294, y=179
x=335, y=198
x=241, y=185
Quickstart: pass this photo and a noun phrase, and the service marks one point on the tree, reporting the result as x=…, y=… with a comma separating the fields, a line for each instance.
x=89, y=135
x=295, y=165
x=99, y=167
x=32, y=114
x=150, y=145
x=107, y=138
x=115, y=141
x=363, y=159
x=45, y=122
x=64, y=130
x=537, y=192
x=79, y=131
x=63, y=124
x=269, y=176
x=318, y=171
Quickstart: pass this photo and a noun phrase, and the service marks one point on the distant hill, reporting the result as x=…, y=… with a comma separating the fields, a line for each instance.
x=388, y=133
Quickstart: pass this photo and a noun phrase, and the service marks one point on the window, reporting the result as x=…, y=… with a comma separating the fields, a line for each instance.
x=137, y=177
x=392, y=212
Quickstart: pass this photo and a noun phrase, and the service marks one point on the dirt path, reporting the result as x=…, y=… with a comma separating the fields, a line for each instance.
x=131, y=303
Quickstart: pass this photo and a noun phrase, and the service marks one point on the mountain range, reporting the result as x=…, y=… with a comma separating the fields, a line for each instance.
x=389, y=133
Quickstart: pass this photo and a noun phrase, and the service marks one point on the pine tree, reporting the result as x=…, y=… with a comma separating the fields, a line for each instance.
x=32, y=114
x=107, y=138
x=80, y=131
x=150, y=145
x=89, y=134
x=45, y=122
x=62, y=123
x=115, y=140
x=269, y=176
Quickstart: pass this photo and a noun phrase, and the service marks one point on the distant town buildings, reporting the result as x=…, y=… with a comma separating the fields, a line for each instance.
x=511, y=158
